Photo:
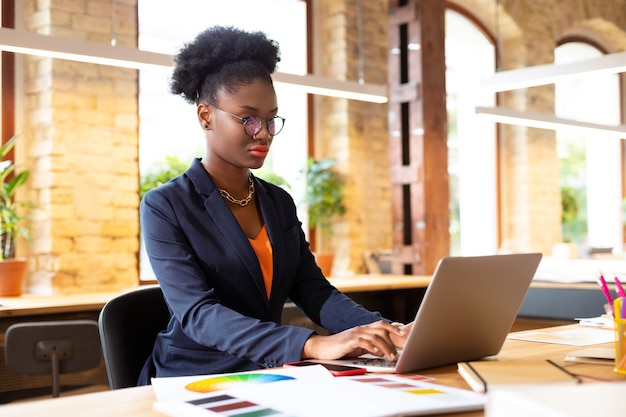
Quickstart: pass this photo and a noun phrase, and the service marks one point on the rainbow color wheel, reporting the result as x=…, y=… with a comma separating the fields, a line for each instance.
x=230, y=381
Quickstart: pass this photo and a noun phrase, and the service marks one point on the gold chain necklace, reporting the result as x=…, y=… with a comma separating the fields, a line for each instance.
x=244, y=202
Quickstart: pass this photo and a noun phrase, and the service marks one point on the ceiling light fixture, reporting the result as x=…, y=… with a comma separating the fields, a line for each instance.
x=31, y=43
x=551, y=73
x=314, y=84
x=546, y=121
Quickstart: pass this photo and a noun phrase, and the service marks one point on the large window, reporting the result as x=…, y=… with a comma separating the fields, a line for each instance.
x=471, y=140
x=169, y=127
x=590, y=163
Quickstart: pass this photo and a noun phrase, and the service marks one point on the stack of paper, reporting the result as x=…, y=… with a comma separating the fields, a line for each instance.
x=598, y=355
x=578, y=336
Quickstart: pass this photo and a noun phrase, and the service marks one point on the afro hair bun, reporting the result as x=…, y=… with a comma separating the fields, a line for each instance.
x=214, y=48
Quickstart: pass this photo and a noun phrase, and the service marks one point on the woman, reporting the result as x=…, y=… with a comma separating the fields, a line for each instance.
x=228, y=248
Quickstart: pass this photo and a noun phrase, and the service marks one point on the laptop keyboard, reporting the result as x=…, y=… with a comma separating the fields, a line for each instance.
x=384, y=363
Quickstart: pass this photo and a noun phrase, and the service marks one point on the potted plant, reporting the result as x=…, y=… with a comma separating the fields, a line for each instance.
x=323, y=195
x=12, y=269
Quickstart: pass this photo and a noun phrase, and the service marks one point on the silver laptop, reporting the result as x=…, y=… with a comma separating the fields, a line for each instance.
x=466, y=313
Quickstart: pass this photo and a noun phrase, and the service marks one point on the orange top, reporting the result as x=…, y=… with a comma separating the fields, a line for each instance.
x=263, y=249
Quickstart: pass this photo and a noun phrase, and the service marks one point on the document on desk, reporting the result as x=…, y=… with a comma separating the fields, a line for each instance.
x=580, y=336
x=604, y=322
x=303, y=393
x=597, y=355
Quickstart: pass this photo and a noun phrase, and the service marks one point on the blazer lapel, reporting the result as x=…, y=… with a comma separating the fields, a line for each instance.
x=226, y=223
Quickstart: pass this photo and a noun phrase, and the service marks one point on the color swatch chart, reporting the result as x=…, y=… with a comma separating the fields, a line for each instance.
x=227, y=405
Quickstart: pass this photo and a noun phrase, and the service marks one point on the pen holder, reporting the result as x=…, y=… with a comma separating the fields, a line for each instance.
x=620, y=337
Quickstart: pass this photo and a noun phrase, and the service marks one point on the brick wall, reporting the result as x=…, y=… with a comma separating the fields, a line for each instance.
x=82, y=133
x=353, y=132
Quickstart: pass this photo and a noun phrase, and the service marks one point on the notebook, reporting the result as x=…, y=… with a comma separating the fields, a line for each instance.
x=466, y=313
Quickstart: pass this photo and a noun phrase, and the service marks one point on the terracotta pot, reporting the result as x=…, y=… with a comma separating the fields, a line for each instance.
x=325, y=262
x=12, y=276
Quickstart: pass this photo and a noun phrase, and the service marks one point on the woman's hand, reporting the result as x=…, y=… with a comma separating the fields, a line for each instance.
x=379, y=339
x=400, y=340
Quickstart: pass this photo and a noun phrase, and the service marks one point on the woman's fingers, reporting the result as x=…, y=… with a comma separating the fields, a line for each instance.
x=379, y=339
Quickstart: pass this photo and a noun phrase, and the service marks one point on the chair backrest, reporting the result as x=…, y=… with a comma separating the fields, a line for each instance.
x=128, y=325
x=53, y=348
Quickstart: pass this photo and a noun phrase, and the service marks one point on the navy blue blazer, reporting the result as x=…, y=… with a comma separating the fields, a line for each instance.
x=222, y=320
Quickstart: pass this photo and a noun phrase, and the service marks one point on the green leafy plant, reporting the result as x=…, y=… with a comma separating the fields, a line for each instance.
x=324, y=193
x=569, y=211
x=274, y=178
x=11, y=221
x=160, y=173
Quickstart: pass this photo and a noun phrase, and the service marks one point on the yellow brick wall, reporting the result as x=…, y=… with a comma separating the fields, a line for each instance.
x=355, y=133
x=82, y=128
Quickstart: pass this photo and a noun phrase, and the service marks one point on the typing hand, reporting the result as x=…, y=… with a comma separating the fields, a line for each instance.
x=374, y=338
x=400, y=340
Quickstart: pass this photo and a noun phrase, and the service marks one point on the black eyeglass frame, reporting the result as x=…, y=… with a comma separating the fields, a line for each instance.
x=244, y=121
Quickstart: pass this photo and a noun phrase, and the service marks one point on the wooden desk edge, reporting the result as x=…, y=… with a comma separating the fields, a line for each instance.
x=28, y=304
x=379, y=282
x=135, y=402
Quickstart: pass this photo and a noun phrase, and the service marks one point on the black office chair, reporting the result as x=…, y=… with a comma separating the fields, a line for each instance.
x=53, y=348
x=128, y=326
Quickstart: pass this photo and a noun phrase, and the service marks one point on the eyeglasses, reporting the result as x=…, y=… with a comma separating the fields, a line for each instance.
x=252, y=125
